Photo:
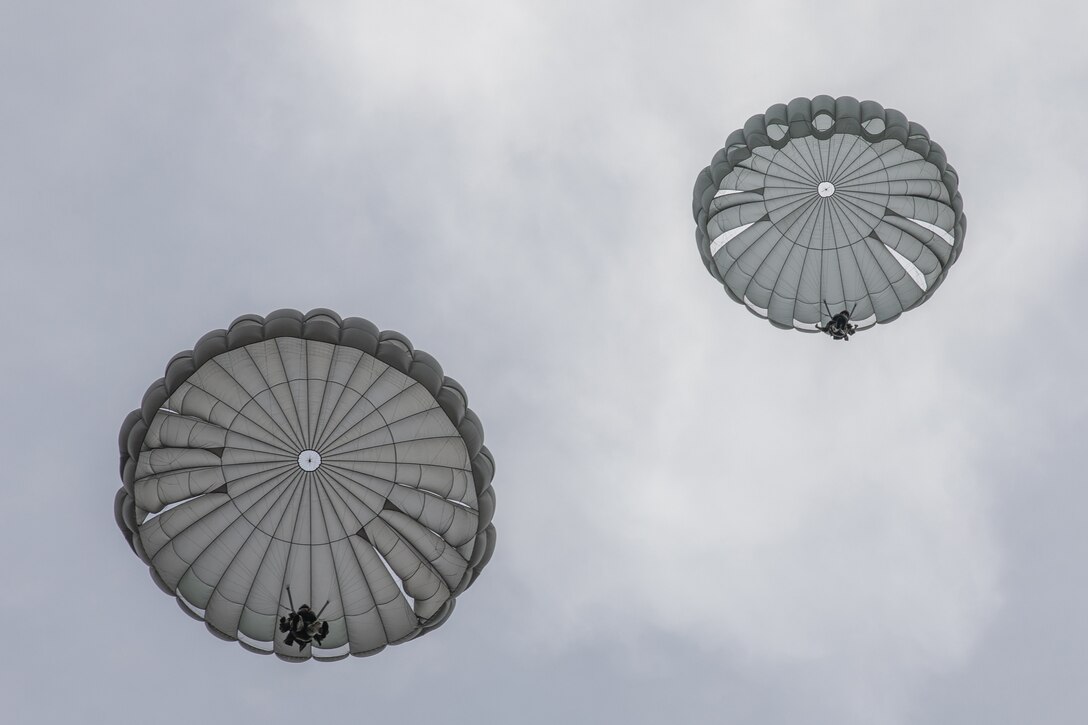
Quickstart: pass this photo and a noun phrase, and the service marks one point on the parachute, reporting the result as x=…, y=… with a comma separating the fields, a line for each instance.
x=825, y=205
x=315, y=456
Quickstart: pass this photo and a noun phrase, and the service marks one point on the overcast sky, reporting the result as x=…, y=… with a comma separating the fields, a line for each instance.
x=509, y=185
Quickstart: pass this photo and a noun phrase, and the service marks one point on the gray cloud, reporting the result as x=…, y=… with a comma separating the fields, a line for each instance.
x=511, y=188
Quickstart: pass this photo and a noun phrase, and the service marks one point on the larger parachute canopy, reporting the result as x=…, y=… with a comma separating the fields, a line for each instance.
x=315, y=453
x=829, y=200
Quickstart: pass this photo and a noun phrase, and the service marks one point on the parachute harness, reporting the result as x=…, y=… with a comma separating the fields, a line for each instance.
x=839, y=326
x=303, y=626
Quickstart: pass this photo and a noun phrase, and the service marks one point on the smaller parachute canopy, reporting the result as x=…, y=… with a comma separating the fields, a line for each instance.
x=829, y=203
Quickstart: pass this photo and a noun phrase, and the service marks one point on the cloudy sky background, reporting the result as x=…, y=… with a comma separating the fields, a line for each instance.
x=509, y=184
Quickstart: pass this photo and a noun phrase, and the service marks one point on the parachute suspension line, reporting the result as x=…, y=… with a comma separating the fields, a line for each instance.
x=292, y=603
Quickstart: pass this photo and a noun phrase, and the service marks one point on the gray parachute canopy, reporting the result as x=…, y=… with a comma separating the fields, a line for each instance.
x=829, y=200
x=310, y=452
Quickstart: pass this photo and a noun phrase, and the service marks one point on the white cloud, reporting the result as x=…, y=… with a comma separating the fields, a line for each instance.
x=688, y=483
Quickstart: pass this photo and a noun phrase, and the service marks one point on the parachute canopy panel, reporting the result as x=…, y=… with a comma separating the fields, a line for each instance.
x=311, y=453
x=829, y=200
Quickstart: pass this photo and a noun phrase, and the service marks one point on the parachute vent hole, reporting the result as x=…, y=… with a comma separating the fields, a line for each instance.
x=823, y=122
x=309, y=460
